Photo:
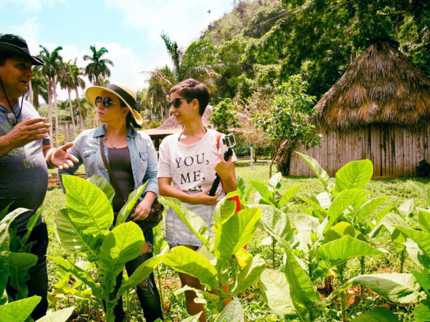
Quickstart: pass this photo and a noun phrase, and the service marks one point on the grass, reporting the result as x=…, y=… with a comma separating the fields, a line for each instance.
x=397, y=190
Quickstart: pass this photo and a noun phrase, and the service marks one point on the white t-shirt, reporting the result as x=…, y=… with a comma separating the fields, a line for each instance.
x=191, y=169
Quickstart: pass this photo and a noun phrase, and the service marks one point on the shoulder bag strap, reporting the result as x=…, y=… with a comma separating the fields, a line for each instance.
x=112, y=178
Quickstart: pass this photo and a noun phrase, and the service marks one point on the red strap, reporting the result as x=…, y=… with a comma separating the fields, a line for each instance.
x=235, y=198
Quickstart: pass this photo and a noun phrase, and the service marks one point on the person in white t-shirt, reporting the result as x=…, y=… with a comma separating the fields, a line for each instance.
x=191, y=160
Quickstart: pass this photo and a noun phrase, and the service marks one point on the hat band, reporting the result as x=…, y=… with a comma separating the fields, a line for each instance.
x=124, y=95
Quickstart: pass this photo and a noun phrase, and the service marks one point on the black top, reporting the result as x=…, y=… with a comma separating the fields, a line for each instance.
x=120, y=163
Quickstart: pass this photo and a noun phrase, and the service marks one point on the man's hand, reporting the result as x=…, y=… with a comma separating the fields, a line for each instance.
x=63, y=159
x=29, y=130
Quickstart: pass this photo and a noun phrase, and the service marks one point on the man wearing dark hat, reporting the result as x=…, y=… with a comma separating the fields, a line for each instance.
x=25, y=150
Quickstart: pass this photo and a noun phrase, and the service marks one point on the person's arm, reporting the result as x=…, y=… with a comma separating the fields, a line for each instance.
x=23, y=133
x=151, y=190
x=166, y=189
x=75, y=155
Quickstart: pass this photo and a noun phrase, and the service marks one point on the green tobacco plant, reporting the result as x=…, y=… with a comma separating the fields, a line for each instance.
x=219, y=262
x=275, y=206
x=83, y=228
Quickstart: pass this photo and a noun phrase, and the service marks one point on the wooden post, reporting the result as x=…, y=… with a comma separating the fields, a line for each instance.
x=252, y=158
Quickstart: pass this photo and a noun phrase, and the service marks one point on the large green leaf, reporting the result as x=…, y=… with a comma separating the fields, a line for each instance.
x=18, y=311
x=395, y=287
x=422, y=189
x=4, y=245
x=288, y=195
x=263, y=191
x=276, y=292
x=185, y=260
x=88, y=206
x=422, y=312
x=120, y=246
x=390, y=222
x=368, y=209
x=304, y=295
x=324, y=199
x=79, y=273
x=274, y=181
x=354, y=175
x=140, y=274
x=338, y=231
x=129, y=205
x=423, y=280
x=316, y=168
x=236, y=232
x=193, y=221
x=58, y=316
x=346, y=199
x=421, y=238
x=73, y=239
x=424, y=219
x=381, y=314
x=19, y=265
x=194, y=318
x=341, y=250
x=407, y=207
x=248, y=275
x=104, y=185
x=278, y=220
x=225, y=209
x=30, y=225
x=319, y=211
x=233, y=312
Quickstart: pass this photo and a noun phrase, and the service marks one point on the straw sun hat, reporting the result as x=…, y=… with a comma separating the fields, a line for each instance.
x=123, y=92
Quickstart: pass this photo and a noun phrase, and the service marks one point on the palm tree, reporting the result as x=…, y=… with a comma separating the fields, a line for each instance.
x=51, y=68
x=78, y=82
x=39, y=87
x=197, y=62
x=98, y=66
x=68, y=82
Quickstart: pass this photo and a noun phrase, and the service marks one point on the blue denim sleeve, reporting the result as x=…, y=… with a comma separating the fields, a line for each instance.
x=74, y=150
x=151, y=170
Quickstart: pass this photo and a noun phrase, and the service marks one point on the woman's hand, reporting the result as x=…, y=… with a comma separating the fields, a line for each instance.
x=204, y=198
x=224, y=168
x=142, y=210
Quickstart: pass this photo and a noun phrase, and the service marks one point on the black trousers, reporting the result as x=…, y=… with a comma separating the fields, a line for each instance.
x=147, y=293
x=38, y=282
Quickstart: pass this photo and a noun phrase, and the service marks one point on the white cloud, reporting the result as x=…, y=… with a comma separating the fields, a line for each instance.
x=29, y=30
x=182, y=20
x=30, y=5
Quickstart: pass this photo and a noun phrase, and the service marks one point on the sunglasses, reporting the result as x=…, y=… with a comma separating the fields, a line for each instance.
x=177, y=102
x=107, y=101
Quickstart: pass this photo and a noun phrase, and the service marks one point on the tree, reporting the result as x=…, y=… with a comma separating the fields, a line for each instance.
x=67, y=82
x=223, y=116
x=98, y=66
x=197, y=62
x=39, y=87
x=51, y=70
x=288, y=122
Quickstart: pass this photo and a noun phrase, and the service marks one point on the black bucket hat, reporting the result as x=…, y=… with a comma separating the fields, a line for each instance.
x=15, y=44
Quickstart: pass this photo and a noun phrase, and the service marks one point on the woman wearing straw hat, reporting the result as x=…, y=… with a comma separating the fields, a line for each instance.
x=133, y=161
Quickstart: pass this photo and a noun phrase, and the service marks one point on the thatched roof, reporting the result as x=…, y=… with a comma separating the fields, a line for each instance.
x=381, y=86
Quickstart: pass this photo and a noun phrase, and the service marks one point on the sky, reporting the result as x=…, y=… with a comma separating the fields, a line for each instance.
x=129, y=29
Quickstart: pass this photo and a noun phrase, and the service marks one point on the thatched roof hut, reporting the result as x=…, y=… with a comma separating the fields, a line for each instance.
x=381, y=86
x=378, y=110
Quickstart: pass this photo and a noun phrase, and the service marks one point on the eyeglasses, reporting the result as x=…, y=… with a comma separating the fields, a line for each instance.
x=177, y=102
x=107, y=101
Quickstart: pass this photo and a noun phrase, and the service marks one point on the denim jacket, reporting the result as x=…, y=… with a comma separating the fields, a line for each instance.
x=86, y=148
